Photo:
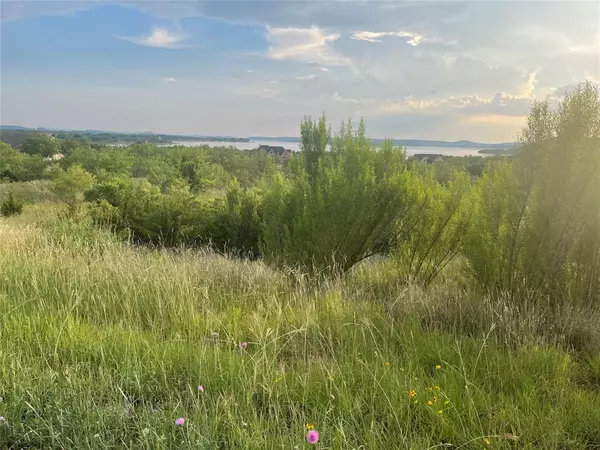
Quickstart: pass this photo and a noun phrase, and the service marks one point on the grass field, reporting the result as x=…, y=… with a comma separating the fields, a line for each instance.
x=103, y=346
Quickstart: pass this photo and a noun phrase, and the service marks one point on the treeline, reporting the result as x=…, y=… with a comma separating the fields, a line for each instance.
x=528, y=226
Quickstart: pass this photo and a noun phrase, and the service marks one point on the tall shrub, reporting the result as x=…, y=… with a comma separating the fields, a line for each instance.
x=541, y=217
x=337, y=205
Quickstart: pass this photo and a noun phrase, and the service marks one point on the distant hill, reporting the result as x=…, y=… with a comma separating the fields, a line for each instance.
x=15, y=136
x=14, y=127
x=410, y=143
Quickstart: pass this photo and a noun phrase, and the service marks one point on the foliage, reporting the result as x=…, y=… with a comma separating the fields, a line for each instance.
x=141, y=211
x=41, y=144
x=71, y=185
x=432, y=234
x=17, y=166
x=538, y=221
x=328, y=217
x=11, y=206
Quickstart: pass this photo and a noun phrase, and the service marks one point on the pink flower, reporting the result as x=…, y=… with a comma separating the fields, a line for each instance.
x=312, y=437
x=244, y=345
x=200, y=388
x=180, y=421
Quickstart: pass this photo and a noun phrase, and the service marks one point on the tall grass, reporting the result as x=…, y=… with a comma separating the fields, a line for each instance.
x=103, y=345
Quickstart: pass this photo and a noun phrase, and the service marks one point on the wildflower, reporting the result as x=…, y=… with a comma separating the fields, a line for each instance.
x=446, y=402
x=312, y=437
x=244, y=425
x=214, y=335
x=429, y=402
x=440, y=412
x=180, y=421
x=412, y=393
x=309, y=426
x=388, y=364
x=200, y=388
x=330, y=378
x=487, y=442
x=2, y=420
x=437, y=388
x=438, y=367
x=244, y=345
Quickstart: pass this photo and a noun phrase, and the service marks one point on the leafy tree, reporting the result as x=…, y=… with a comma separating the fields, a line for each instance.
x=41, y=144
x=71, y=186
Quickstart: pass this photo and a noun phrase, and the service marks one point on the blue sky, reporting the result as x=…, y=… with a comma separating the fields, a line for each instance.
x=431, y=70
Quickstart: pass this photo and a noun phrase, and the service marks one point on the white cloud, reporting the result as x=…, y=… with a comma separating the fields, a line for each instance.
x=170, y=79
x=500, y=103
x=306, y=45
x=372, y=36
x=323, y=69
x=306, y=77
x=160, y=38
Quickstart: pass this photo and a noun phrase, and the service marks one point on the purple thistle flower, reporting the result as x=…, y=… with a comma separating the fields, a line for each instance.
x=200, y=388
x=180, y=421
x=244, y=345
x=312, y=437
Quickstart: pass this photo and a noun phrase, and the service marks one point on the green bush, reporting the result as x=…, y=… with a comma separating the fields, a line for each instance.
x=431, y=234
x=11, y=206
x=71, y=185
x=337, y=210
x=138, y=209
x=537, y=221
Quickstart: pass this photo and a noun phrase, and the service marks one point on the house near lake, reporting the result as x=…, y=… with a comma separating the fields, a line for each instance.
x=277, y=151
x=427, y=158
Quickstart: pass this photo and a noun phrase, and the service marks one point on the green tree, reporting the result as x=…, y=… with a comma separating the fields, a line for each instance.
x=41, y=144
x=71, y=186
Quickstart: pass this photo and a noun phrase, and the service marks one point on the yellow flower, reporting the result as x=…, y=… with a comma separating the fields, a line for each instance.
x=487, y=442
x=441, y=411
x=412, y=393
x=438, y=367
x=429, y=402
x=447, y=402
x=330, y=378
x=388, y=364
x=437, y=388
x=310, y=426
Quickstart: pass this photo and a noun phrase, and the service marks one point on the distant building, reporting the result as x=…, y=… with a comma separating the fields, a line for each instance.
x=277, y=151
x=56, y=157
x=427, y=158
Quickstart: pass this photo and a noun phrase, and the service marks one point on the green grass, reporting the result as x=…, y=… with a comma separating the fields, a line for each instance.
x=103, y=345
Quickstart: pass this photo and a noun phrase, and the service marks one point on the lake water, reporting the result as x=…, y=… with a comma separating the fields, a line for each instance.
x=295, y=146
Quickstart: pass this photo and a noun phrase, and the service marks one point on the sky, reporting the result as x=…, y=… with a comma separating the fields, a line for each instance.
x=444, y=70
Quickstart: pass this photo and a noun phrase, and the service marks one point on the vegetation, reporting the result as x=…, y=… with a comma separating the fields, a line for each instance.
x=11, y=206
x=210, y=298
